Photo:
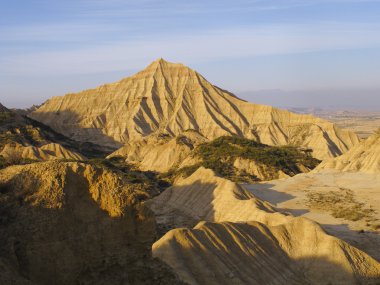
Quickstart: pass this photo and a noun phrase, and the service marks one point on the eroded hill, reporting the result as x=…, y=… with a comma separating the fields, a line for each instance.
x=168, y=98
x=364, y=157
x=75, y=223
x=235, y=158
x=25, y=140
x=246, y=241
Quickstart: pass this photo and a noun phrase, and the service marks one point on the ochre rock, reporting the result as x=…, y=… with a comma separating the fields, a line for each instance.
x=363, y=157
x=243, y=240
x=75, y=223
x=50, y=151
x=168, y=98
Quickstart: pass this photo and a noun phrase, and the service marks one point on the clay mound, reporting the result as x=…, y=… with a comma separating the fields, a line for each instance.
x=297, y=252
x=248, y=241
x=158, y=152
x=364, y=157
x=205, y=196
x=51, y=151
x=168, y=98
x=74, y=223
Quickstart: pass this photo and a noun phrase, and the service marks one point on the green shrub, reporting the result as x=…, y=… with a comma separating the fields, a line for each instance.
x=220, y=154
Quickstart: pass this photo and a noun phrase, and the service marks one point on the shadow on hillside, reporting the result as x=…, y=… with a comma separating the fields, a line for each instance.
x=366, y=240
x=193, y=255
x=66, y=237
x=267, y=193
x=183, y=206
x=65, y=127
x=180, y=210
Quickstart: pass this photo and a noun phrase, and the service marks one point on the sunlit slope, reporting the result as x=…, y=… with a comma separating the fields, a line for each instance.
x=172, y=98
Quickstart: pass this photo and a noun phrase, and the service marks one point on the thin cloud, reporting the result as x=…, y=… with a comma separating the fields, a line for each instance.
x=210, y=45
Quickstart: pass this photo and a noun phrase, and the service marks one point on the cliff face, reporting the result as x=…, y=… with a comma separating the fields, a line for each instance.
x=172, y=98
x=363, y=157
x=74, y=223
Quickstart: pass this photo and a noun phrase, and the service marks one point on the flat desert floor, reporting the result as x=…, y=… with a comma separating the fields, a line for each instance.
x=347, y=205
x=362, y=122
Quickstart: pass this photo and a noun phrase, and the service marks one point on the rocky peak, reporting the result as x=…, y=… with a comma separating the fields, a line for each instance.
x=172, y=98
x=162, y=70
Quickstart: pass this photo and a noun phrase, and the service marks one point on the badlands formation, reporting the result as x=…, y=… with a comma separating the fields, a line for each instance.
x=363, y=157
x=115, y=220
x=50, y=151
x=342, y=194
x=75, y=223
x=23, y=139
x=242, y=240
x=168, y=98
x=236, y=158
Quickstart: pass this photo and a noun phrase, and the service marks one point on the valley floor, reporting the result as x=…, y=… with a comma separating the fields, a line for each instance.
x=347, y=205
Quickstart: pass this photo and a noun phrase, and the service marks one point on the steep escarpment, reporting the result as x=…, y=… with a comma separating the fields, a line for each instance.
x=363, y=157
x=246, y=241
x=75, y=223
x=168, y=98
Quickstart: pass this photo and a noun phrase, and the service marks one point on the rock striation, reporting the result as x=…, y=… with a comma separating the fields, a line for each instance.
x=243, y=240
x=75, y=223
x=161, y=153
x=363, y=157
x=50, y=151
x=169, y=98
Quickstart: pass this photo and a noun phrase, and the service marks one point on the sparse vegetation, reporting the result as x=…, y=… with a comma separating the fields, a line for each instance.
x=341, y=204
x=150, y=181
x=284, y=157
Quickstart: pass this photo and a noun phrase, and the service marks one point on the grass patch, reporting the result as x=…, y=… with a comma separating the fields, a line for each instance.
x=340, y=204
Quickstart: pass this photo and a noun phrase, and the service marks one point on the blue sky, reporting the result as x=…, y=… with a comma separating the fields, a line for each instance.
x=326, y=47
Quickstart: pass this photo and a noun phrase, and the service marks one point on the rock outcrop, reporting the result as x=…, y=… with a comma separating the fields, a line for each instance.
x=363, y=157
x=50, y=151
x=74, y=223
x=243, y=240
x=168, y=98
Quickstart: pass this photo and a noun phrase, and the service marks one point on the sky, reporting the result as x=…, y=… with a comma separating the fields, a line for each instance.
x=298, y=53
